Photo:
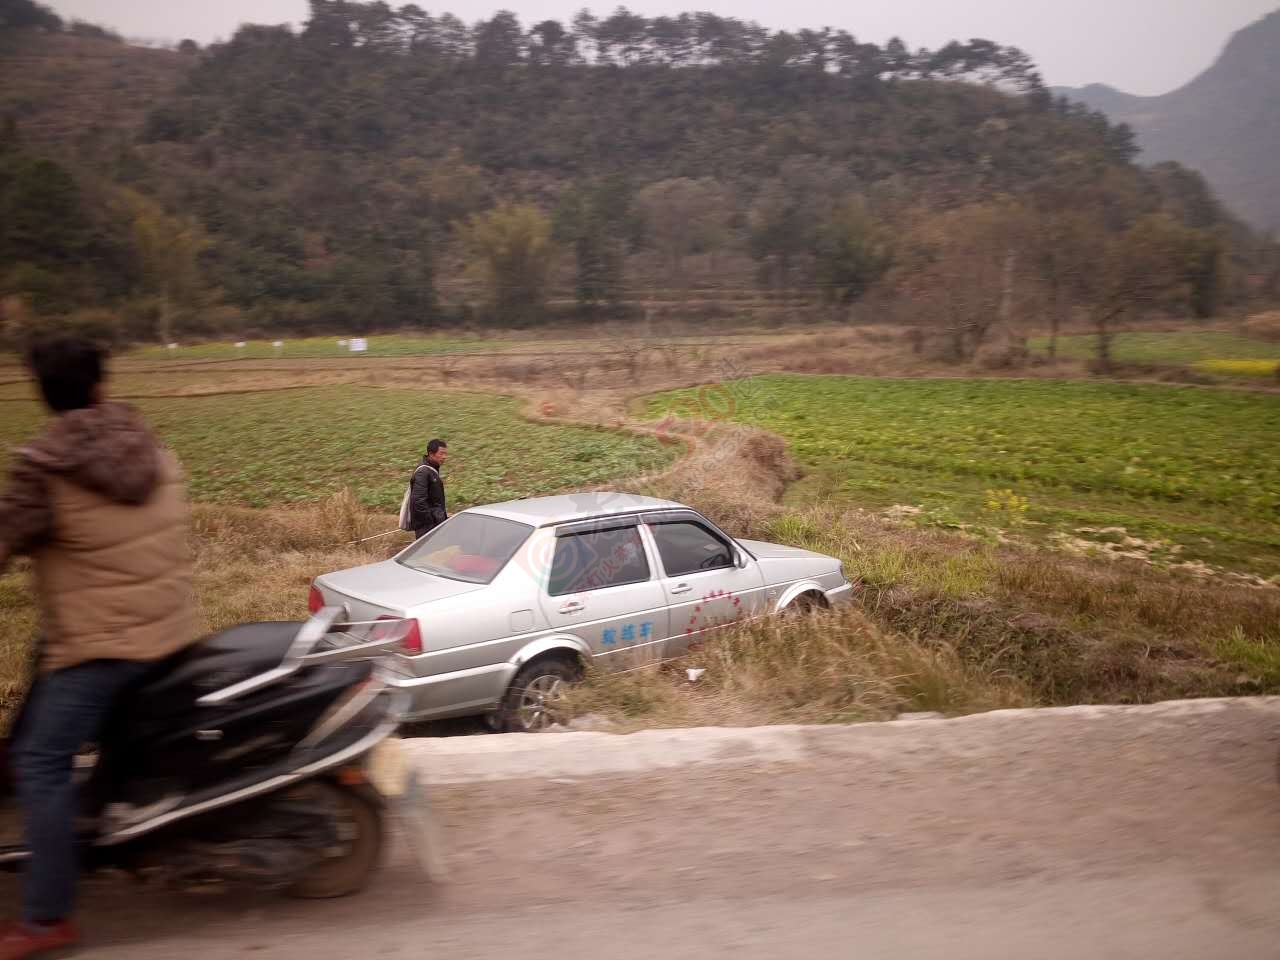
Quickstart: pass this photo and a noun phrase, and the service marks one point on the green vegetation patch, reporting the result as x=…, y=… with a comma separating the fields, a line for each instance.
x=1175, y=348
x=1258, y=657
x=263, y=449
x=1240, y=368
x=1189, y=473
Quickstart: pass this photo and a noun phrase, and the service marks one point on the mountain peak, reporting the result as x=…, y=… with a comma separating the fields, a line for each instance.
x=1223, y=123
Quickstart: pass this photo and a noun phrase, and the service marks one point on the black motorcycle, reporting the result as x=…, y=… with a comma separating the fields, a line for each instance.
x=264, y=754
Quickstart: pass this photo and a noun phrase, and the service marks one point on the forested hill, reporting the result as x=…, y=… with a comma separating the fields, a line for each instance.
x=336, y=176
x=1223, y=123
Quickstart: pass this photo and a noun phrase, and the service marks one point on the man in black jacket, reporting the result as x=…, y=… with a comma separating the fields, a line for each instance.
x=426, y=498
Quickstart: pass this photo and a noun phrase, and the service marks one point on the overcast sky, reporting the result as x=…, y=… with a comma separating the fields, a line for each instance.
x=1140, y=46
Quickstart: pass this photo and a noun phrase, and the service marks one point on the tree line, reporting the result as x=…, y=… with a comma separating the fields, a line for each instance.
x=355, y=174
x=626, y=39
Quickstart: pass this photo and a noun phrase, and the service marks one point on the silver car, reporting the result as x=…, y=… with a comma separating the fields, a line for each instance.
x=506, y=603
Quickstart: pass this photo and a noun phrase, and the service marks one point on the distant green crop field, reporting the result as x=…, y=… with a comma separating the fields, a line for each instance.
x=264, y=449
x=1197, y=467
x=310, y=348
x=1240, y=368
x=1176, y=348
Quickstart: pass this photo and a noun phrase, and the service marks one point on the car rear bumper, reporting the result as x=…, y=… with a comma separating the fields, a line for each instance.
x=455, y=694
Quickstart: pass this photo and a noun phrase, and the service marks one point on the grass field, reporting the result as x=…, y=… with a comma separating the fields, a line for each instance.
x=947, y=621
x=1196, y=468
x=260, y=449
x=1178, y=348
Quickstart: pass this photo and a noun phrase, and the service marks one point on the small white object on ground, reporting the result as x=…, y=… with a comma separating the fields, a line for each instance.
x=695, y=673
x=590, y=722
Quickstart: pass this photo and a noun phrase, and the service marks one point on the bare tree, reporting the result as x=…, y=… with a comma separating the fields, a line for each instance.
x=1059, y=249
x=683, y=217
x=962, y=266
x=1144, y=268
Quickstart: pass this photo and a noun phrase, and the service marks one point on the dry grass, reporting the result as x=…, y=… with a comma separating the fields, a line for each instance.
x=1264, y=326
x=827, y=667
x=955, y=624
x=944, y=622
x=736, y=474
x=16, y=630
x=1072, y=630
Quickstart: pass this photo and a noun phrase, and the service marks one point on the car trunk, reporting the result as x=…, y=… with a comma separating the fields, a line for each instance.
x=386, y=589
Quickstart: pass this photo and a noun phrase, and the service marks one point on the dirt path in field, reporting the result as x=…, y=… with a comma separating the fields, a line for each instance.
x=1139, y=832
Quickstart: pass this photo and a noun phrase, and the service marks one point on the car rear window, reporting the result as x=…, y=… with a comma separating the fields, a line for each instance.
x=472, y=547
x=596, y=559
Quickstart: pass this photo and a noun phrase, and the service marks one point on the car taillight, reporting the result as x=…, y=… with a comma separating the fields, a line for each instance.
x=411, y=642
x=315, y=599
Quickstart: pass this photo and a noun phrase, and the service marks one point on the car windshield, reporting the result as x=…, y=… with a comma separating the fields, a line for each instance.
x=471, y=547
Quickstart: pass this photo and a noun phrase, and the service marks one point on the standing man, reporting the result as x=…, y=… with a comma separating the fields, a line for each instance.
x=426, y=497
x=98, y=503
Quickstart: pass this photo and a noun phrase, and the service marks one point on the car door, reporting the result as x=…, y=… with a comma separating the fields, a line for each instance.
x=704, y=585
x=603, y=589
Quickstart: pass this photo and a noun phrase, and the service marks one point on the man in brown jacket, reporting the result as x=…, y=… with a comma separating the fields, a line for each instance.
x=98, y=503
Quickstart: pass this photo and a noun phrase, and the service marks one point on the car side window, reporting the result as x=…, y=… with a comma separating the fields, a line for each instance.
x=687, y=547
x=596, y=559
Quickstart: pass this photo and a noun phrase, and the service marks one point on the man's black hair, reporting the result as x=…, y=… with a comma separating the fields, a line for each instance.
x=435, y=445
x=69, y=370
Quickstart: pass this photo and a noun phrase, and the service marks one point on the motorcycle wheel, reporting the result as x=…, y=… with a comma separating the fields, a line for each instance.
x=358, y=822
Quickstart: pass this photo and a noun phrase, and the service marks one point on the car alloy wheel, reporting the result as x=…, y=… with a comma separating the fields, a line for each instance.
x=540, y=702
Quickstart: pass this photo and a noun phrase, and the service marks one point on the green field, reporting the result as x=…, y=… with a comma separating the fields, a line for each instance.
x=1179, y=348
x=311, y=348
x=1195, y=467
x=264, y=449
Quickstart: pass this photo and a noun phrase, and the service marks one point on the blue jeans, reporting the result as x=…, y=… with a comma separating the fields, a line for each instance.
x=64, y=710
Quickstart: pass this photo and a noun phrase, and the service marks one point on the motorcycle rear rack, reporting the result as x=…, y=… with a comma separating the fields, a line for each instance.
x=302, y=652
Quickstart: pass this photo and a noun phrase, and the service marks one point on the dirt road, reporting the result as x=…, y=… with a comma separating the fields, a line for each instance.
x=1139, y=832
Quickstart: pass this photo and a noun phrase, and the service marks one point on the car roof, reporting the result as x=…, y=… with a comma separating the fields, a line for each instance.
x=570, y=507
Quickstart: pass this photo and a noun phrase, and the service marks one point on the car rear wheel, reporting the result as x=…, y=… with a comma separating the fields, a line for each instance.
x=535, y=699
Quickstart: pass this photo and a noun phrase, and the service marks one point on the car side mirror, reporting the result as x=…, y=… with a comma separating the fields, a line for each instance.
x=741, y=559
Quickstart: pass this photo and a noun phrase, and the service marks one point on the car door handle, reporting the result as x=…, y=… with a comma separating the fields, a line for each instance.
x=572, y=606
x=681, y=588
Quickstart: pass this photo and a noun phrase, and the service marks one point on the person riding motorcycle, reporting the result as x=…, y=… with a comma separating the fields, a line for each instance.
x=100, y=506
